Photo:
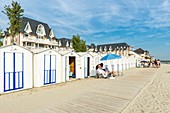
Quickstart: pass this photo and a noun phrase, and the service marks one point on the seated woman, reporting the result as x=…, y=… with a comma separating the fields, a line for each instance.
x=107, y=70
x=105, y=74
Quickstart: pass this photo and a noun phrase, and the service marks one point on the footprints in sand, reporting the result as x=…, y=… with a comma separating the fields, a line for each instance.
x=155, y=97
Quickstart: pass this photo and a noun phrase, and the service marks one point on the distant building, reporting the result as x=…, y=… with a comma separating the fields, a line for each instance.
x=143, y=53
x=33, y=35
x=64, y=44
x=121, y=49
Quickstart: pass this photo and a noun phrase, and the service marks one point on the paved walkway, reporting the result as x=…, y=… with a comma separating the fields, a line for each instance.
x=80, y=96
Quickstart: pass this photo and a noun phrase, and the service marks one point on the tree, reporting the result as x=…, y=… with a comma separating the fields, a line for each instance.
x=14, y=14
x=78, y=44
x=1, y=35
x=1, y=44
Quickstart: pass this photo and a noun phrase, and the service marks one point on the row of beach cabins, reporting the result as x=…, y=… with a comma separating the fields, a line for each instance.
x=21, y=68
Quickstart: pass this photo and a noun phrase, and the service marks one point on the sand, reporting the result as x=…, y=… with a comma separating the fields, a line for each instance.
x=139, y=90
x=155, y=96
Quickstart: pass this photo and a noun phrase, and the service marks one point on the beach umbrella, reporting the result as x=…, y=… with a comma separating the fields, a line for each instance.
x=110, y=57
x=143, y=60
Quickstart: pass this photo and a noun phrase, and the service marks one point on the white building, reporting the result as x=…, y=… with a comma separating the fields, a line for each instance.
x=87, y=64
x=47, y=67
x=70, y=65
x=15, y=68
x=121, y=49
x=33, y=35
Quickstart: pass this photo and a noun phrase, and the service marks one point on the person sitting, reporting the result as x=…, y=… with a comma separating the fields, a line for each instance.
x=105, y=74
x=158, y=63
x=107, y=70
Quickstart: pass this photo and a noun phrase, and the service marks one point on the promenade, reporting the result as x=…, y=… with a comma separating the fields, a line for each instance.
x=80, y=96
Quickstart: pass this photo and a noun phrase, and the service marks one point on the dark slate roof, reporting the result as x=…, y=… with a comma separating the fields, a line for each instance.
x=34, y=24
x=139, y=51
x=64, y=41
x=113, y=46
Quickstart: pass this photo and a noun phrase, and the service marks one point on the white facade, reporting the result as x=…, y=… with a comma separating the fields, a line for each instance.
x=96, y=60
x=137, y=57
x=32, y=41
x=33, y=35
x=87, y=64
x=70, y=66
x=15, y=69
x=47, y=68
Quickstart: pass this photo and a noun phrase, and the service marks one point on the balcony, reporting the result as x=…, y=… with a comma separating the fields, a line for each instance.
x=53, y=43
x=43, y=41
x=40, y=41
x=29, y=39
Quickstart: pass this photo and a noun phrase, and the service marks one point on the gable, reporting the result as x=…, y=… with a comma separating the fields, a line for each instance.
x=34, y=25
x=51, y=33
x=40, y=30
x=28, y=28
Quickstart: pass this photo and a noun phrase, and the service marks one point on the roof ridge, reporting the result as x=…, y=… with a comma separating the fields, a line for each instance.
x=35, y=20
x=112, y=44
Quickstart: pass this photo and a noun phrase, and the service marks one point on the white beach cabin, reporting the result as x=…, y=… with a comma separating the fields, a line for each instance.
x=87, y=64
x=96, y=60
x=15, y=68
x=47, y=67
x=71, y=65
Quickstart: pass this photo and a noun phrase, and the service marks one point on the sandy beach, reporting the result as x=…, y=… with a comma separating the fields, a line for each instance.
x=155, y=96
x=140, y=90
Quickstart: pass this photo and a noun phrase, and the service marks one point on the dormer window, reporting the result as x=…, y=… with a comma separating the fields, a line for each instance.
x=100, y=48
x=26, y=35
x=110, y=48
x=28, y=28
x=40, y=30
x=70, y=44
x=59, y=43
x=96, y=49
x=67, y=44
x=105, y=49
x=51, y=33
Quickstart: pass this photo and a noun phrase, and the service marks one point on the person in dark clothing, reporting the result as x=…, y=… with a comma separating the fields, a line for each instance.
x=155, y=63
x=101, y=64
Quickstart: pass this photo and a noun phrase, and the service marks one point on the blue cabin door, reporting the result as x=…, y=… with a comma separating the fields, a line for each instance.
x=49, y=69
x=13, y=71
x=86, y=67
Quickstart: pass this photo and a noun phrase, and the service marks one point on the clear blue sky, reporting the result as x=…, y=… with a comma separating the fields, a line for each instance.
x=140, y=23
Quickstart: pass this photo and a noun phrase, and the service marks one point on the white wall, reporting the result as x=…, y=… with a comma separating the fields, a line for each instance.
x=83, y=63
x=27, y=61
x=39, y=67
x=65, y=65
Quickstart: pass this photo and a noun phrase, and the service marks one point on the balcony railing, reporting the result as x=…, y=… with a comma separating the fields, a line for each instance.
x=42, y=41
x=29, y=39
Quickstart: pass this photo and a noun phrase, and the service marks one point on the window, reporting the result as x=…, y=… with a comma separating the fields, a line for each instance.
x=51, y=34
x=28, y=44
x=40, y=30
x=26, y=35
x=41, y=46
x=40, y=37
x=24, y=44
x=27, y=28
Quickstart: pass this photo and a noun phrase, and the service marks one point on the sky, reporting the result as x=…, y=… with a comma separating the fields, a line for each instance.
x=140, y=23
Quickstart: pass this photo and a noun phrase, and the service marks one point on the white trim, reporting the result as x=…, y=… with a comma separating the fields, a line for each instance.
x=51, y=34
x=27, y=28
x=43, y=30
